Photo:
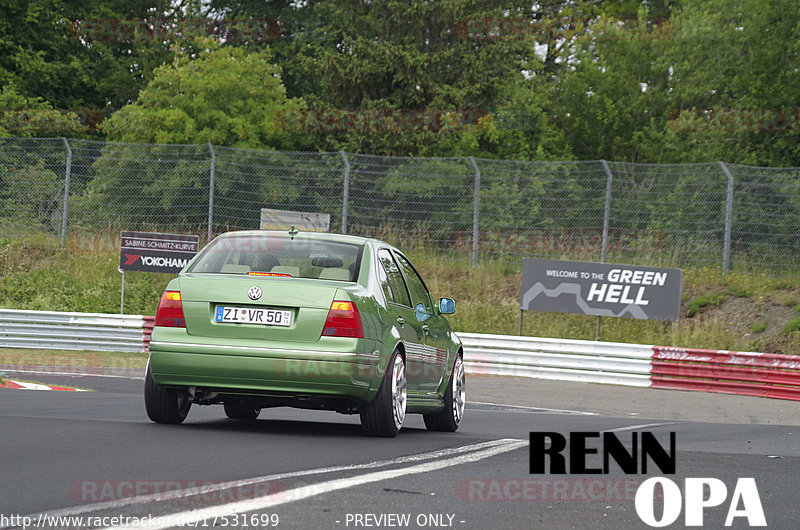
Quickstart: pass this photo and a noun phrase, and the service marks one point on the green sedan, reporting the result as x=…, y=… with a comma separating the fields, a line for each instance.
x=309, y=320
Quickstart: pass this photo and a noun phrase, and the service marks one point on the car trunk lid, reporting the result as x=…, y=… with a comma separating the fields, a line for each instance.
x=304, y=302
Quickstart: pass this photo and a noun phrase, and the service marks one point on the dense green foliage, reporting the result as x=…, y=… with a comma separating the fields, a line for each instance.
x=626, y=80
x=44, y=53
x=225, y=96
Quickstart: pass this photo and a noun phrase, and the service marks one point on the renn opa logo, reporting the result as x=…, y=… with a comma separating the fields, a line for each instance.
x=698, y=494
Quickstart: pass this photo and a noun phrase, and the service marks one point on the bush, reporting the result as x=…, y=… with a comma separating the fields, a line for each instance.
x=792, y=326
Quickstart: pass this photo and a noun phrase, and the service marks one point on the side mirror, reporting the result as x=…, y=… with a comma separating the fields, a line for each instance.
x=420, y=313
x=447, y=306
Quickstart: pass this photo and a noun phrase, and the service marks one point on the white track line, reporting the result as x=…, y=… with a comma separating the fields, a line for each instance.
x=30, y=386
x=36, y=386
x=211, y=488
x=634, y=427
x=534, y=409
x=195, y=516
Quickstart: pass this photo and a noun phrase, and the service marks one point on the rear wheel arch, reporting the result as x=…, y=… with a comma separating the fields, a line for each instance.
x=451, y=364
x=449, y=418
x=165, y=405
x=383, y=363
x=384, y=415
x=398, y=347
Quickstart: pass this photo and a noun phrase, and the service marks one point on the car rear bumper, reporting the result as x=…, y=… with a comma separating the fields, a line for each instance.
x=352, y=373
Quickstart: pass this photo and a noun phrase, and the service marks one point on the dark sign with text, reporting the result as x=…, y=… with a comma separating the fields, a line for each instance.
x=601, y=289
x=156, y=252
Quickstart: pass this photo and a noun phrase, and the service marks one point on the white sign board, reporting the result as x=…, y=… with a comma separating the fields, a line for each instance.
x=284, y=220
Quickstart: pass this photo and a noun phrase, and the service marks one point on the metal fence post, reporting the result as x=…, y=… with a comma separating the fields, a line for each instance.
x=476, y=206
x=606, y=223
x=607, y=211
x=346, y=191
x=211, y=189
x=67, y=177
x=726, y=252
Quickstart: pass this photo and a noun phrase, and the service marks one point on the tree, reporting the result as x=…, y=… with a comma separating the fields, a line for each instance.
x=734, y=81
x=414, y=77
x=32, y=170
x=25, y=116
x=225, y=95
x=611, y=98
x=47, y=52
x=391, y=196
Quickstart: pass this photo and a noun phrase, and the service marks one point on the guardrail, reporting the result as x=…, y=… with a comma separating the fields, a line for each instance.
x=566, y=360
x=746, y=373
x=75, y=331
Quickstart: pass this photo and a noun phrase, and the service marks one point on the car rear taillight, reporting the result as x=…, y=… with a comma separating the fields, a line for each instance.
x=343, y=321
x=170, y=310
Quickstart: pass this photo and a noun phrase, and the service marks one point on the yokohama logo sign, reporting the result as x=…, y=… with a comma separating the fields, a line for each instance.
x=155, y=261
x=156, y=252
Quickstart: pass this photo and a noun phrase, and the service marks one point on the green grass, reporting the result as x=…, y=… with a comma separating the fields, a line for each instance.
x=706, y=300
x=33, y=277
x=758, y=327
x=747, y=285
x=70, y=361
x=793, y=326
x=487, y=298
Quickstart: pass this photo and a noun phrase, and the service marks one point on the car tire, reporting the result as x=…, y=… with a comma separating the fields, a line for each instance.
x=385, y=414
x=165, y=405
x=236, y=410
x=450, y=417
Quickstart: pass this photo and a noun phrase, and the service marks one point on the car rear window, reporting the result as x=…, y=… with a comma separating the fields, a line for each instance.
x=265, y=255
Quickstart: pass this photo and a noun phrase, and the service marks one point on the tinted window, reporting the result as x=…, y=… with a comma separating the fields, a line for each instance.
x=395, y=288
x=419, y=293
x=383, y=279
x=263, y=253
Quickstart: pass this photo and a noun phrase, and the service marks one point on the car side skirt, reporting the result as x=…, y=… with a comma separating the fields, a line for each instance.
x=424, y=404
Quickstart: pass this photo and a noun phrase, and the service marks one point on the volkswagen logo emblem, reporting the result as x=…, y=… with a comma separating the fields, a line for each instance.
x=254, y=293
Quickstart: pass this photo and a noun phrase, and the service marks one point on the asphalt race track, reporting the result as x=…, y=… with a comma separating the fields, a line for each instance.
x=96, y=456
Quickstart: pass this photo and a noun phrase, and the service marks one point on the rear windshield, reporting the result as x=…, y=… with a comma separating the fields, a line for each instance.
x=263, y=255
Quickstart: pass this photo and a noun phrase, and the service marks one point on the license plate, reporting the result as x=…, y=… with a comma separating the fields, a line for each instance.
x=248, y=315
